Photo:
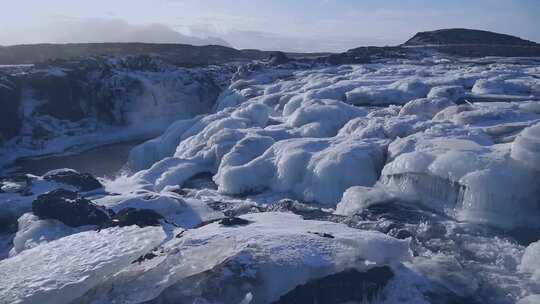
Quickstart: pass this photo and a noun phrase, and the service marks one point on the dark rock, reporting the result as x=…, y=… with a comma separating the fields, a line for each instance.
x=277, y=58
x=322, y=234
x=402, y=234
x=69, y=208
x=10, y=100
x=234, y=221
x=134, y=216
x=145, y=257
x=347, y=286
x=82, y=181
x=307, y=212
x=8, y=223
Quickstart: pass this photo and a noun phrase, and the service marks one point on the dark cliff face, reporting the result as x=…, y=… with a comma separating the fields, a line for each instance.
x=10, y=98
x=82, y=94
x=466, y=36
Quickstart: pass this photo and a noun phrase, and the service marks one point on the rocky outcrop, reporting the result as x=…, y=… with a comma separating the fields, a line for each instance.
x=81, y=181
x=474, y=43
x=466, y=36
x=10, y=98
x=69, y=208
x=76, y=97
x=134, y=216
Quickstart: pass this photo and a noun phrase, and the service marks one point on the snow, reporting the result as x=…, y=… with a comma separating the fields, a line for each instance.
x=63, y=270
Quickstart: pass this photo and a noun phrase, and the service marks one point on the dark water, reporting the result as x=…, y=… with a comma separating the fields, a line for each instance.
x=104, y=161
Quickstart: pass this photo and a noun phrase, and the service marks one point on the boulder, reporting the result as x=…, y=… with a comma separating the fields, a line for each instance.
x=81, y=181
x=69, y=208
x=134, y=216
x=343, y=287
x=277, y=58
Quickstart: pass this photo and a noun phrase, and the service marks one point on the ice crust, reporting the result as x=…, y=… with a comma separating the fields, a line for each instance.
x=279, y=249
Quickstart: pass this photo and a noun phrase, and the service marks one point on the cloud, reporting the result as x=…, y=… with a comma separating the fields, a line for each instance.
x=75, y=30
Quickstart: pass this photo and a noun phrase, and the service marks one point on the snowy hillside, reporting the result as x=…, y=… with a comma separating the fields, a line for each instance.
x=402, y=180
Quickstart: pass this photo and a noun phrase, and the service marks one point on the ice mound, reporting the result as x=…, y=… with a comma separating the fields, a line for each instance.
x=33, y=232
x=529, y=261
x=63, y=270
x=320, y=118
x=500, y=85
x=452, y=92
x=358, y=198
x=398, y=92
x=427, y=107
x=266, y=257
x=314, y=170
x=526, y=147
x=465, y=178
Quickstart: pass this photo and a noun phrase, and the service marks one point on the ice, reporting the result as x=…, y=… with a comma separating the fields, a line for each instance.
x=529, y=261
x=526, y=147
x=33, y=232
x=321, y=118
x=61, y=271
x=398, y=92
x=314, y=170
x=533, y=299
x=452, y=92
x=357, y=198
x=426, y=106
x=279, y=249
x=353, y=144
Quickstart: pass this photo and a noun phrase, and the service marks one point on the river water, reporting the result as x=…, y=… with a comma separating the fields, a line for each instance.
x=104, y=161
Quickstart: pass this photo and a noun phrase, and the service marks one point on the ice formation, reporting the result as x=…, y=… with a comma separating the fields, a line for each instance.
x=429, y=167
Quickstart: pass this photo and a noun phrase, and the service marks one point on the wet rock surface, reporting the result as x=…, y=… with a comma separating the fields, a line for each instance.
x=134, y=216
x=69, y=208
x=82, y=181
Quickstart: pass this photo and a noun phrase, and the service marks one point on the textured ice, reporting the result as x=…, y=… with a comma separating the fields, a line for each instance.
x=63, y=270
x=281, y=250
x=314, y=170
x=33, y=232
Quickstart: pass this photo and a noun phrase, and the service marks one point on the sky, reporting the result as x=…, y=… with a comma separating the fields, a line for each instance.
x=293, y=25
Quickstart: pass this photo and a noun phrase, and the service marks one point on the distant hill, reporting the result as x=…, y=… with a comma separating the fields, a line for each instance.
x=459, y=42
x=178, y=54
x=465, y=36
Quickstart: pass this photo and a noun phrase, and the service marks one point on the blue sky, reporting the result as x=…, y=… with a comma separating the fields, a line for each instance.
x=302, y=25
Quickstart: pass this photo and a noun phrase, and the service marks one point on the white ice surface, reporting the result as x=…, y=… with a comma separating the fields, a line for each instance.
x=62, y=270
x=281, y=249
